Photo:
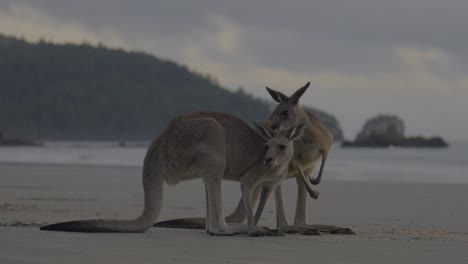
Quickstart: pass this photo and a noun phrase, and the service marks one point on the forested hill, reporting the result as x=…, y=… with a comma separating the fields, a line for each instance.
x=80, y=92
x=50, y=91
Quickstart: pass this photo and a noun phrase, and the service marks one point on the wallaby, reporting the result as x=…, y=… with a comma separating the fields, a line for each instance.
x=313, y=145
x=212, y=146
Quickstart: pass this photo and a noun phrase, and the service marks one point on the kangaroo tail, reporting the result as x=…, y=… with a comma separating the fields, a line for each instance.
x=98, y=226
x=188, y=223
x=153, y=182
x=322, y=166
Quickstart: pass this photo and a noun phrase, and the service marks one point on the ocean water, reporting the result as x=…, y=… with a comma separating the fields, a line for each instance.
x=448, y=165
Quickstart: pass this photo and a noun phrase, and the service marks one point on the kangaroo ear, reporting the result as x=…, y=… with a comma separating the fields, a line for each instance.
x=296, y=132
x=277, y=96
x=263, y=132
x=297, y=95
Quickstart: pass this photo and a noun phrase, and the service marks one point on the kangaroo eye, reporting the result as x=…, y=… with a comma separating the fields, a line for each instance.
x=282, y=147
x=285, y=114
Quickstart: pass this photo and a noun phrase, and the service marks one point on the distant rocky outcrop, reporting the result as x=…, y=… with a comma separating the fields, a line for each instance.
x=384, y=128
x=389, y=130
x=4, y=141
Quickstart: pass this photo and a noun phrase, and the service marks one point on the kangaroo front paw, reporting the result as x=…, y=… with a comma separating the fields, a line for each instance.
x=316, y=195
x=314, y=181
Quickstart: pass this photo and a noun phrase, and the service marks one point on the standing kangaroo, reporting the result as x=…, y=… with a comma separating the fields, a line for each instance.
x=313, y=145
x=212, y=146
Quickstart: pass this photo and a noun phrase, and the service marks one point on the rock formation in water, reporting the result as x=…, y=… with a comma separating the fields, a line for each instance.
x=389, y=130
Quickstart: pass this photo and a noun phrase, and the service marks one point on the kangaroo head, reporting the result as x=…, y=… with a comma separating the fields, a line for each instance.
x=280, y=145
x=288, y=113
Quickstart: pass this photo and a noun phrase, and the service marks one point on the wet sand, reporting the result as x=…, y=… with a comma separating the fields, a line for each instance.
x=395, y=222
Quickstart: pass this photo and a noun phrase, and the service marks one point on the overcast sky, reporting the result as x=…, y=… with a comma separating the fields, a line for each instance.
x=363, y=57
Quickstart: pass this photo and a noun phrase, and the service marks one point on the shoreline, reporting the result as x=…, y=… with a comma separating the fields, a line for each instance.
x=65, y=164
x=334, y=171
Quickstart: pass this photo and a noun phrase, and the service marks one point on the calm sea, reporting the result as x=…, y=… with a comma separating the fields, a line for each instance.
x=448, y=165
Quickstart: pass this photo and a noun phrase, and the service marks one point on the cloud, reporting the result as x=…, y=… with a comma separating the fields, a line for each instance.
x=205, y=49
x=33, y=24
x=226, y=36
x=417, y=70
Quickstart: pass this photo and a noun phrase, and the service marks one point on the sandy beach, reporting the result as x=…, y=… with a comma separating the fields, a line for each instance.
x=395, y=222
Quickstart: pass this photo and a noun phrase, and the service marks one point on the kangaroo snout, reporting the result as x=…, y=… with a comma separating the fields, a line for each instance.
x=268, y=162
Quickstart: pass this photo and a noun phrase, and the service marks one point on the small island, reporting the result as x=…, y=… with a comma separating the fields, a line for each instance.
x=8, y=141
x=389, y=130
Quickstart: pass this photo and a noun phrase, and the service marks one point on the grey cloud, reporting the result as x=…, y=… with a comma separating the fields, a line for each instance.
x=424, y=22
x=142, y=16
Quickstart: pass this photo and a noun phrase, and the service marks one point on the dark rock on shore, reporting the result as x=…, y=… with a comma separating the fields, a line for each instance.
x=370, y=143
x=388, y=130
x=17, y=141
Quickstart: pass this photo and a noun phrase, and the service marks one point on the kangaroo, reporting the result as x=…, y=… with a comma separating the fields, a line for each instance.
x=212, y=146
x=313, y=145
